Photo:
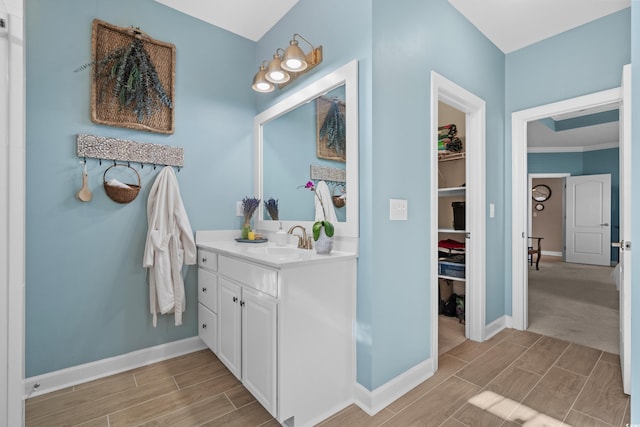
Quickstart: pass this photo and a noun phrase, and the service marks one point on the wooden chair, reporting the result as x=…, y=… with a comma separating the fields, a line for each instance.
x=537, y=250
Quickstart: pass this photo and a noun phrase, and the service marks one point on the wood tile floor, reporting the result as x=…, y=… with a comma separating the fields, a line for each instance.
x=515, y=378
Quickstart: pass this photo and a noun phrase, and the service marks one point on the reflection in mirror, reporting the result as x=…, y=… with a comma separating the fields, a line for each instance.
x=292, y=144
x=312, y=135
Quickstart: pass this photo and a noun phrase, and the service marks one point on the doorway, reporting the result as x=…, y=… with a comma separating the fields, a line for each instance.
x=520, y=121
x=473, y=108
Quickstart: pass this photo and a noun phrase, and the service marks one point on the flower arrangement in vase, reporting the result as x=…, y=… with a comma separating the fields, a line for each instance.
x=322, y=230
x=271, y=206
x=249, y=206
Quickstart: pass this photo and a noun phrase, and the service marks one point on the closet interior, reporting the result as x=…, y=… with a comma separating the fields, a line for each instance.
x=452, y=230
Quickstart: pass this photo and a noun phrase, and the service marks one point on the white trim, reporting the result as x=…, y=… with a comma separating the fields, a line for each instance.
x=12, y=221
x=474, y=107
x=497, y=326
x=74, y=375
x=519, y=205
x=374, y=401
x=552, y=253
x=581, y=149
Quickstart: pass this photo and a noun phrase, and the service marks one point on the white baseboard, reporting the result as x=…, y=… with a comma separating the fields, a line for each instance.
x=552, y=253
x=372, y=402
x=496, y=326
x=74, y=375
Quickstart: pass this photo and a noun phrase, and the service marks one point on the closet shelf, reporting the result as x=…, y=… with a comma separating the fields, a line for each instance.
x=459, y=279
x=451, y=230
x=447, y=157
x=451, y=191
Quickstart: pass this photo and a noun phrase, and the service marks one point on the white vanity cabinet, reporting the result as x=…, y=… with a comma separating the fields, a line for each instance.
x=286, y=329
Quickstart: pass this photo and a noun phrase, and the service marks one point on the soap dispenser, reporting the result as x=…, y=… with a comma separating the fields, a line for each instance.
x=281, y=236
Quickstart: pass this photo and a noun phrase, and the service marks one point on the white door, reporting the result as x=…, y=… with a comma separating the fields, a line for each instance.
x=624, y=272
x=229, y=326
x=259, y=347
x=588, y=222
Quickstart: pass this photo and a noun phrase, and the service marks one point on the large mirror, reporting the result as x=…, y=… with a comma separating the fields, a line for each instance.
x=312, y=135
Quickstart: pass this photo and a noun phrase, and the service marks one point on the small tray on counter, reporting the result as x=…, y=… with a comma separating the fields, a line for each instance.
x=241, y=240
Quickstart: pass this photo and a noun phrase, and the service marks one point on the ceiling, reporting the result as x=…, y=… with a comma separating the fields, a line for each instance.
x=250, y=19
x=509, y=24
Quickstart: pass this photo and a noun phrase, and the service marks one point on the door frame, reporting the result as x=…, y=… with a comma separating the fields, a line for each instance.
x=12, y=223
x=519, y=190
x=474, y=108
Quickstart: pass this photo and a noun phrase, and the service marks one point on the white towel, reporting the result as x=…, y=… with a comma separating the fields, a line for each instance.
x=115, y=183
x=322, y=189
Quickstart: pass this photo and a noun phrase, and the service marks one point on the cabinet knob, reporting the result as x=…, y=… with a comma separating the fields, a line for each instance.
x=235, y=299
x=204, y=289
x=204, y=326
x=241, y=303
x=204, y=259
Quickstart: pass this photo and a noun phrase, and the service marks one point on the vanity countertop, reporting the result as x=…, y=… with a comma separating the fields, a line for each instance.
x=269, y=254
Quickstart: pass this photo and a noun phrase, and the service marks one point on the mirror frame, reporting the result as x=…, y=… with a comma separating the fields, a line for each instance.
x=347, y=75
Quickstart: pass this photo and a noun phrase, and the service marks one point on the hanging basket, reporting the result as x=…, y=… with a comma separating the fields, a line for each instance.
x=121, y=194
x=338, y=200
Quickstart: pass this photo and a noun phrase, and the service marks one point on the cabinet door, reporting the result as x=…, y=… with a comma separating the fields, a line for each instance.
x=229, y=325
x=259, y=314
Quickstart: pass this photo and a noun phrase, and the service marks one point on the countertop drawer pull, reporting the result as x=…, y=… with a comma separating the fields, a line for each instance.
x=235, y=299
x=204, y=259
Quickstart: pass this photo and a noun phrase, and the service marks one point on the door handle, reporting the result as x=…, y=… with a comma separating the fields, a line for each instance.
x=606, y=224
x=622, y=245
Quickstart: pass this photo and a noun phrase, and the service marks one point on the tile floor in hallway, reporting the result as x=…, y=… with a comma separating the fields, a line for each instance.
x=514, y=378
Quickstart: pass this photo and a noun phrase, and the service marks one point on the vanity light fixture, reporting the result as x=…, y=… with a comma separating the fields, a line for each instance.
x=275, y=73
x=260, y=82
x=285, y=68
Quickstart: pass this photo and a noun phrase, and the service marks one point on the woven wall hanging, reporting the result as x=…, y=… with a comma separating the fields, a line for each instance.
x=330, y=129
x=133, y=81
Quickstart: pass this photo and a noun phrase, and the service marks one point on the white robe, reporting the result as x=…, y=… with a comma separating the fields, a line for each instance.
x=169, y=245
x=328, y=214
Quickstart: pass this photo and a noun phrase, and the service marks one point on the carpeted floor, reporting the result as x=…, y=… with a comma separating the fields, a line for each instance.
x=574, y=302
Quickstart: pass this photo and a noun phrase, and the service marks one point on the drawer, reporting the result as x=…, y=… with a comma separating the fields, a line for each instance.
x=208, y=289
x=208, y=260
x=248, y=274
x=208, y=327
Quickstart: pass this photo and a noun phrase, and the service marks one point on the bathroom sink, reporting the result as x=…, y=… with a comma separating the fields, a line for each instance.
x=278, y=252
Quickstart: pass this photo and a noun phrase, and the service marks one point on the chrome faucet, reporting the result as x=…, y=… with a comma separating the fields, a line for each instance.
x=304, y=242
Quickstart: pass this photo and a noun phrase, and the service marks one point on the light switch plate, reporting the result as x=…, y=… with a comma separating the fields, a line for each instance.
x=397, y=209
x=492, y=210
x=239, y=209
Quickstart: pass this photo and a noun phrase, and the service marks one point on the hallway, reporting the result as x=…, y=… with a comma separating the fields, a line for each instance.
x=575, y=302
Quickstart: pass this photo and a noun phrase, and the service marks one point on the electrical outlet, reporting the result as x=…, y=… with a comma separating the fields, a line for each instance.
x=238, y=208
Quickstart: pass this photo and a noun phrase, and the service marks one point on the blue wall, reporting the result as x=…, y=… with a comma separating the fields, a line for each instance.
x=86, y=292
x=544, y=73
x=586, y=163
x=410, y=39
